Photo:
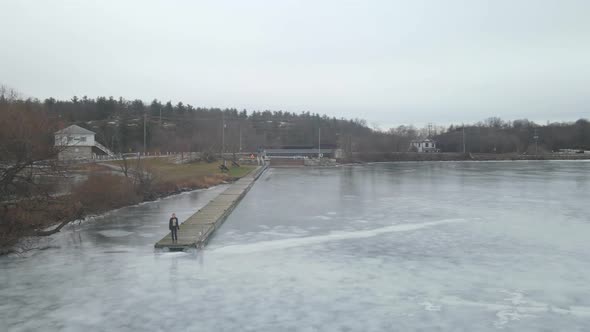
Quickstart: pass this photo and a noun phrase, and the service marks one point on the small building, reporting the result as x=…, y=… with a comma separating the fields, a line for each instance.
x=75, y=142
x=299, y=152
x=294, y=156
x=423, y=145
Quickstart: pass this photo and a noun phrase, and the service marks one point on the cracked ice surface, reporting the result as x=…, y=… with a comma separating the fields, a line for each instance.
x=406, y=246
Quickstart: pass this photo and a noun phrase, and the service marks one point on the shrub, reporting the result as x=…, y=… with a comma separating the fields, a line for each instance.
x=103, y=192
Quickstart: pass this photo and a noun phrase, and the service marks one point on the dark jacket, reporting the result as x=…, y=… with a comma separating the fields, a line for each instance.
x=170, y=223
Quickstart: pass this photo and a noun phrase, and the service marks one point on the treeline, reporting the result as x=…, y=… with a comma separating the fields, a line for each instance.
x=495, y=135
x=126, y=125
x=121, y=125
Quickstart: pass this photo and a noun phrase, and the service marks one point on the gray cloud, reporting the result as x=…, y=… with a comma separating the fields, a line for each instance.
x=389, y=62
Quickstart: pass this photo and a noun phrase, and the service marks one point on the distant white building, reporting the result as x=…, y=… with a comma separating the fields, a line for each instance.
x=423, y=145
x=75, y=142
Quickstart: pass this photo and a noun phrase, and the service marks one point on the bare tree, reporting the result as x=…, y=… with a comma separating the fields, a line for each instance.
x=8, y=95
x=124, y=165
x=27, y=156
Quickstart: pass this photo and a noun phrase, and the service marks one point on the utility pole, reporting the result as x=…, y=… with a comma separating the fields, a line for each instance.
x=536, y=137
x=222, y=136
x=160, y=116
x=463, y=139
x=240, y=136
x=144, y=132
x=319, y=143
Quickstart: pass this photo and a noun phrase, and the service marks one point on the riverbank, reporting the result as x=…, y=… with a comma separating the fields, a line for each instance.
x=109, y=187
x=449, y=156
x=167, y=177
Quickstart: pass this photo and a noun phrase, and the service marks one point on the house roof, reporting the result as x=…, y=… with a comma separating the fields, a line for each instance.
x=422, y=140
x=75, y=130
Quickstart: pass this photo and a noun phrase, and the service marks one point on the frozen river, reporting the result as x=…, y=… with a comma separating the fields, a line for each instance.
x=384, y=247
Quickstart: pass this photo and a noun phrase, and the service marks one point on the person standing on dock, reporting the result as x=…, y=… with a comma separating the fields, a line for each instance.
x=174, y=226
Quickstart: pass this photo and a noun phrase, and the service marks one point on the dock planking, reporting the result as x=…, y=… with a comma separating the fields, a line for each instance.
x=198, y=228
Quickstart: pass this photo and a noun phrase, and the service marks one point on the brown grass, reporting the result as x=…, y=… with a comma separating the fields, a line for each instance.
x=103, y=192
x=88, y=167
x=171, y=177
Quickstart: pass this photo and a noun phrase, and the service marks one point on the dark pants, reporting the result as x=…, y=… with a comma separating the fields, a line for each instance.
x=174, y=233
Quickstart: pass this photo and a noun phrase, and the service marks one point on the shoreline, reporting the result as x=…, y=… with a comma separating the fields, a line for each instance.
x=28, y=240
x=105, y=213
x=463, y=161
x=411, y=156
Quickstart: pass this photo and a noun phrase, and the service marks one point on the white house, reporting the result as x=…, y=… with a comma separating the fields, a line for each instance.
x=423, y=145
x=75, y=142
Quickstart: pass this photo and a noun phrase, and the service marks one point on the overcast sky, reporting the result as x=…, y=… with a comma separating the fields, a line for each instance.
x=389, y=62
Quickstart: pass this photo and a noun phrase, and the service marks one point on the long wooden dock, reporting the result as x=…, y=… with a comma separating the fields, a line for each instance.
x=198, y=228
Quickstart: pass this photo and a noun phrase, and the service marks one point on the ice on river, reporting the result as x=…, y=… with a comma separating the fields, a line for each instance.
x=114, y=233
x=499, y=246
x=333, y=236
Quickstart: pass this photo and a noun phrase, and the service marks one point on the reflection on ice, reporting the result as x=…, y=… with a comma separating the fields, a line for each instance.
x=171, y=254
